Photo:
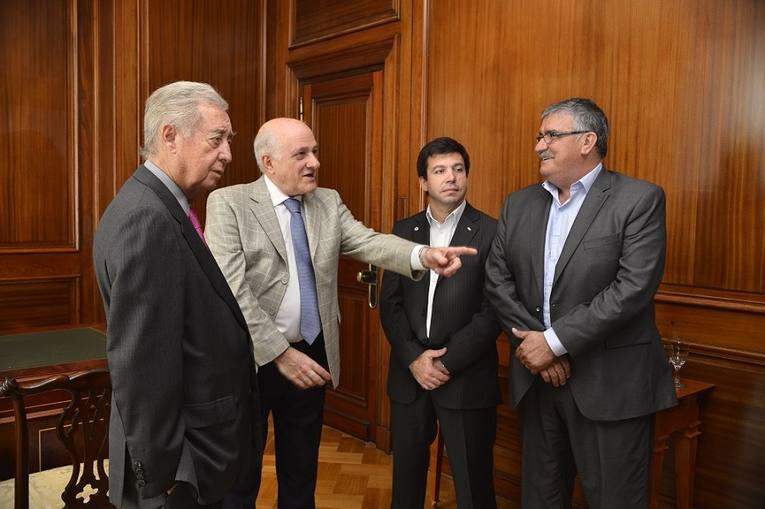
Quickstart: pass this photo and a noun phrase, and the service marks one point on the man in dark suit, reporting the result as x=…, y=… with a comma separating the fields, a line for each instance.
x=572, y=274
x=278, y=240
x=443, y=332
x=184, y=386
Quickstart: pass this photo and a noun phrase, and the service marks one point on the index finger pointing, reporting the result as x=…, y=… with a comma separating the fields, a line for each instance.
x=462, y=251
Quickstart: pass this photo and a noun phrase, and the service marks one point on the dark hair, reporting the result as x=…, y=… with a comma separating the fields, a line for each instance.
x=443, y=145
x=587, y=117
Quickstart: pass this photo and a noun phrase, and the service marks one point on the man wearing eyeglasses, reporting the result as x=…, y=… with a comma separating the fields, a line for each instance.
x=572, y=274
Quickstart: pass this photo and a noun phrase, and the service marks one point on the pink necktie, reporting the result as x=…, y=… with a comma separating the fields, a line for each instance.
x=197, y=226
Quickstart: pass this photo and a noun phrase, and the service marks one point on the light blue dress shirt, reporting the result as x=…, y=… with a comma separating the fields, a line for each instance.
x=562, y=216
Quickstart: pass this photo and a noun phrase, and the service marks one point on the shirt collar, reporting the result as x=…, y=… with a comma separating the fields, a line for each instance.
x=169, y=184
x=455, y=215
x=277, y=196
x=585, y=182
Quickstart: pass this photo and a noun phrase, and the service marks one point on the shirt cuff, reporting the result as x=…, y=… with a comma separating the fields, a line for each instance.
x=414, y=258
x=554, y=343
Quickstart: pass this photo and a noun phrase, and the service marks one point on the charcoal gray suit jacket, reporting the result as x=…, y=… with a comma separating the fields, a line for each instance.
x=179, y=353
x=602, y=306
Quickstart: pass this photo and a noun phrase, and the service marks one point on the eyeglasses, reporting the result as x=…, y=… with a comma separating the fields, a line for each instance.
x=549, y=136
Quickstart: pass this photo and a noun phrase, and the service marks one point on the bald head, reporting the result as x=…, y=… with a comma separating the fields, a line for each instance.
x=286, y=152
x=270, y=137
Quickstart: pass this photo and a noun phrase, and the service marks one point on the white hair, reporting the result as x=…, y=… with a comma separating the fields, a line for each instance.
x=176, y=104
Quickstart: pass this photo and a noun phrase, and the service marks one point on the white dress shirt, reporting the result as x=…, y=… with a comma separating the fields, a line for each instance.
x=287, y=319
x=559, y=224
x=440, y=236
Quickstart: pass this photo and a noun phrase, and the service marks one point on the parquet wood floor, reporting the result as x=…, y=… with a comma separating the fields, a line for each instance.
x=352, y=475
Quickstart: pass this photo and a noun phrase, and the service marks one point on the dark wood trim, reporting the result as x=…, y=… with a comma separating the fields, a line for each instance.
x=713, y=299
x=391, y=15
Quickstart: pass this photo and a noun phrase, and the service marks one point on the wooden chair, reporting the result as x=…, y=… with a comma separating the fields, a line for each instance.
x=82, y=428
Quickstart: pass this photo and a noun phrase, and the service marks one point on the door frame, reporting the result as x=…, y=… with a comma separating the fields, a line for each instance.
x=382, y=54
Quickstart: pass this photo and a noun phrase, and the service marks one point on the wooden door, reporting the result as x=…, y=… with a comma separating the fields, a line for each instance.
x=346, y=117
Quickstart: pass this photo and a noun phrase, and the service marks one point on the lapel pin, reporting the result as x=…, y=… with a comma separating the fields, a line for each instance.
x=416, y=228
x=469, y=229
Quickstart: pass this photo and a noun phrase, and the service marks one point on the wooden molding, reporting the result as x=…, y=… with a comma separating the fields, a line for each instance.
x=710, y=298
x=736, y=355
x=345, y=61
x=312, y=21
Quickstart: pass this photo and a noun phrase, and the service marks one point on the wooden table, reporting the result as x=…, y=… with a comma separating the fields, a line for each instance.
x=36, y=356
x=47, y=353
x=681, y=423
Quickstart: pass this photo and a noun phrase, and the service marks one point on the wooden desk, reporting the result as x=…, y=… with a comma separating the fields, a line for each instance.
x=36, y=356
x=682, y=424
x=47, y=353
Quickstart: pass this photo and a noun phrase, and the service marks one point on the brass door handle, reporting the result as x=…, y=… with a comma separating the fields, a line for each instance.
x=369, y=277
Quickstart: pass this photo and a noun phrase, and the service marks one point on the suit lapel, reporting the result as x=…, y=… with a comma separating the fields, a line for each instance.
x=467, y=228
x=539, y=212
x=596, y=197
x=263, y=209
x=312, y=209
x=201, y=252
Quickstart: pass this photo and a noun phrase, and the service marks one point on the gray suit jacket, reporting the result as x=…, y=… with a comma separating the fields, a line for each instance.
x=184, y=390
x=602, y=297
x=243, y=233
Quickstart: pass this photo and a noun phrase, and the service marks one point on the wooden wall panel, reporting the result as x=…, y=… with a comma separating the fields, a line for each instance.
x=34, y=304
x=37, y=125
x=730, y=465
x=47, y=152
x=682, y=83
x=314, y=20
x=218, y=43
x=70, y=119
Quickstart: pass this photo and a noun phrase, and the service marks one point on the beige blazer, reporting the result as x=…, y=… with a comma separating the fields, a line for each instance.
x=244, y=236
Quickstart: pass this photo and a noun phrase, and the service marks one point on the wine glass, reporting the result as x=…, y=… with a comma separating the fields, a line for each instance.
x=677, y=354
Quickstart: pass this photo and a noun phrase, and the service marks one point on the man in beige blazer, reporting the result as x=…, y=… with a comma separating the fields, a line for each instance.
x=250, y=231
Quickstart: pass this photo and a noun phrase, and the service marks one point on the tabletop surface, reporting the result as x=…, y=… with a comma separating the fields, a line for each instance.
x=36, y=349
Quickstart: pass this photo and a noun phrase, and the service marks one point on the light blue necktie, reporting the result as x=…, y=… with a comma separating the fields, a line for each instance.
x=310, y=323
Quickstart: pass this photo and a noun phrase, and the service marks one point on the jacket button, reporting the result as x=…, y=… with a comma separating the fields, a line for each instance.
x=537, y=309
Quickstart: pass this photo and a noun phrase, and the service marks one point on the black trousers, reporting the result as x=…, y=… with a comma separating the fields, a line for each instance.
x=469, y=436
x=297, y=418
x=612, y=458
